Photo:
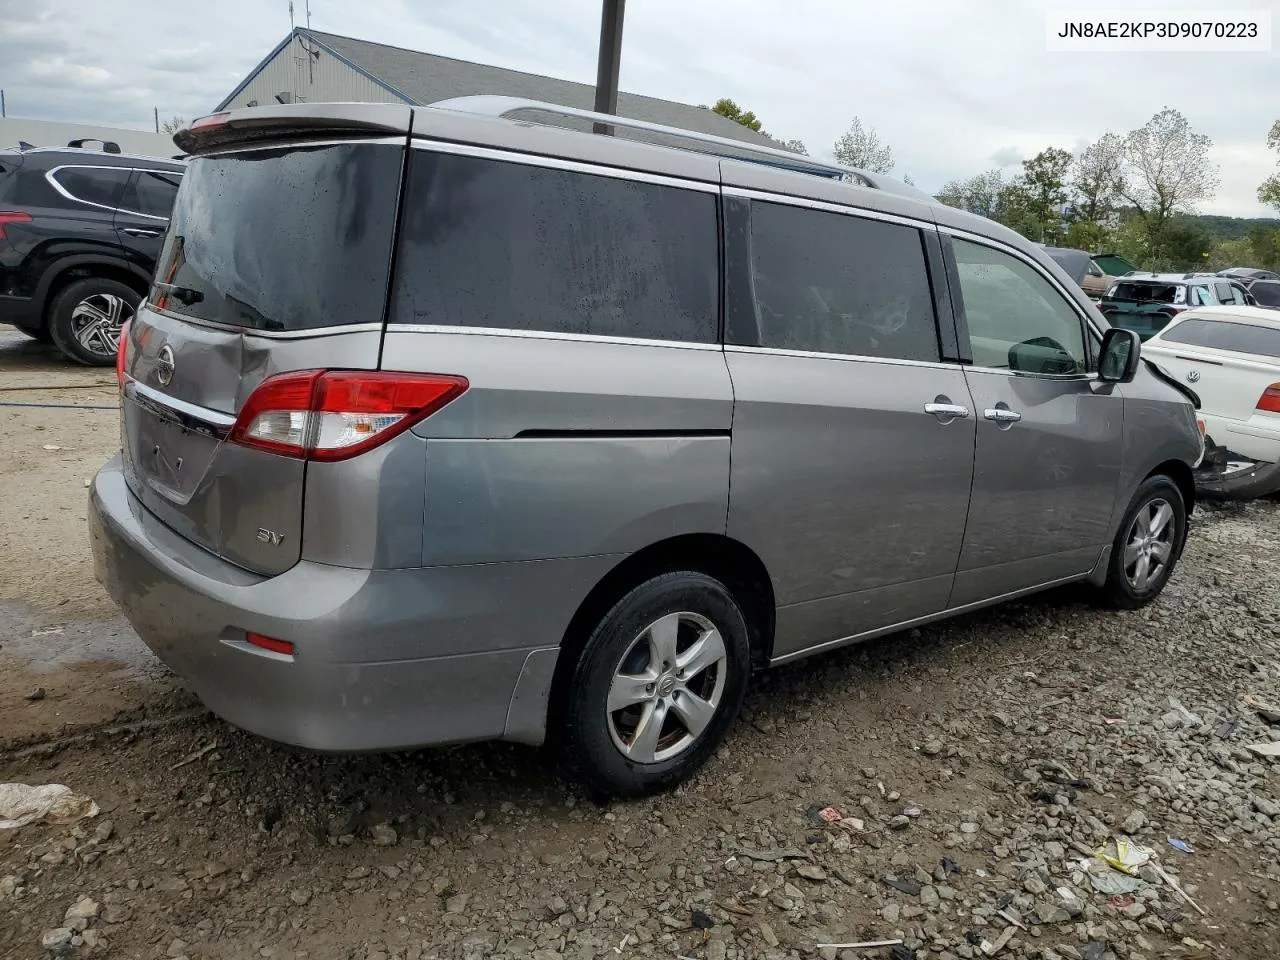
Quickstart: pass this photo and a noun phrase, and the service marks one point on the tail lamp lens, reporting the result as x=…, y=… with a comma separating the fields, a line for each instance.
x=122, y=351
x=1270, y=399
x=7, y=216
x=338, y=414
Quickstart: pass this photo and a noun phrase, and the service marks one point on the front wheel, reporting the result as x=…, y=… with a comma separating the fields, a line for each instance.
x=85, y=319
x=656, y=686
x=1148, y=545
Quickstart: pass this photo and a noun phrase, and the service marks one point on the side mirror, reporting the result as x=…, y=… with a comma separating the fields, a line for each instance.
x=1118, y=358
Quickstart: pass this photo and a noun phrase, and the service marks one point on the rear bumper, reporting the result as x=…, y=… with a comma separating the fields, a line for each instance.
x=383, y=659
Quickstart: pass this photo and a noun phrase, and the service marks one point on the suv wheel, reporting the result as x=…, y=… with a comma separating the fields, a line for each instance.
x=86, y=317
x=657, y=685
x=1148, y=545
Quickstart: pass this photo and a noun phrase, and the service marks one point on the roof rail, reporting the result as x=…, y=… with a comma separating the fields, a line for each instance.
x=498, y=106
x=108, y=146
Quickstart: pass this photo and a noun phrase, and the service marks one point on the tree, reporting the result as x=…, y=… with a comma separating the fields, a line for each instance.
x=1035, y=200
x=1269, y=192
x=862, y=148
x=983, y=194
x=1167, y=170
x=727, y=108
x=173, y=126
x=1096, y=188
x=795, y=146
x=1264, y=244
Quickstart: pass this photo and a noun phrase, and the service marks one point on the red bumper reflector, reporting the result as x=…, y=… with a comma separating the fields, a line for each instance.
x=269, y=643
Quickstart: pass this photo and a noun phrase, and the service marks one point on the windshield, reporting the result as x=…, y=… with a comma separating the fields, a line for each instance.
x=282, y=239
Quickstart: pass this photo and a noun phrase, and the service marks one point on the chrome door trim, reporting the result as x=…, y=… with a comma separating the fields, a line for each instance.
x=557, y=163
x=545, y=335
x=64, y=192
x=240, y=329
x=817, y=355
x=920, y=621
x=869, y=213
x=211, y=423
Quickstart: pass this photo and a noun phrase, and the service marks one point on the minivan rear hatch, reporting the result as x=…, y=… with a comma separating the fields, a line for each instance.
x=276, y=261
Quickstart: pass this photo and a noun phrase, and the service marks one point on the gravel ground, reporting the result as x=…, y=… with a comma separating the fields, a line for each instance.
x=976, y=767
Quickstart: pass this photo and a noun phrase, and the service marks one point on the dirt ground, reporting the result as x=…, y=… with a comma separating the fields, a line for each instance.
x=976, y=766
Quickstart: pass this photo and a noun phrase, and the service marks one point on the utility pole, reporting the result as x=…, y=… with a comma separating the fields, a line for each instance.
x=2, y=110
x=610, y=61
x=157, y=113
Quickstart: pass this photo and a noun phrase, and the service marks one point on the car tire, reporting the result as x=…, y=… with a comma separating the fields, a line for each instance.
x=85, y=319
x=655, y=659
x=1147, y=546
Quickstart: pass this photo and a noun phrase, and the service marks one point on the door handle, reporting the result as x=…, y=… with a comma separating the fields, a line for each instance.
x=140, y=232
x=947, y=412
x=1002, y=415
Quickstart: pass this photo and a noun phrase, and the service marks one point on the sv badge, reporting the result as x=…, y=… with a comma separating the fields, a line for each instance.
x=270, y=536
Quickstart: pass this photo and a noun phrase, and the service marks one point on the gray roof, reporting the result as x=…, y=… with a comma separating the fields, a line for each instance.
x=424, y=78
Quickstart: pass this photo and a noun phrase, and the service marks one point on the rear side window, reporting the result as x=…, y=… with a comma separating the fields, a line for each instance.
x=282, y=239
x=835, y=283
x=1266, y=293
x=1223, y=335
x=489, y=243
x=152, y=193
x=100, y=186
x=1149, y=292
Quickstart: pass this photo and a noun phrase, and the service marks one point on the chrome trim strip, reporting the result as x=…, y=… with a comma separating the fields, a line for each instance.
x=919, y=621
x=212, y=423
x=1013, y=251
x=62, y=190
x=240, y=330
x=1004, y=372
x=825, y=205
x=396, y=141
x=556, y=163
x=816, y=355
x=547, y=335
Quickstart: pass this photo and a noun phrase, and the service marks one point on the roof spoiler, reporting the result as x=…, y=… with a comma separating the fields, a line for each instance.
x=285, y=122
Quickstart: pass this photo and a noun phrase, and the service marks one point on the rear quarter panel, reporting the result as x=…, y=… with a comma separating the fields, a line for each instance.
x=568, y=448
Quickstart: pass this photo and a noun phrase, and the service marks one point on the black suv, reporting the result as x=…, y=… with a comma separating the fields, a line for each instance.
x=80, y=231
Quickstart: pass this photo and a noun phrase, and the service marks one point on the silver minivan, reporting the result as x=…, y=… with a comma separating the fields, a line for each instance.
x=462, y=422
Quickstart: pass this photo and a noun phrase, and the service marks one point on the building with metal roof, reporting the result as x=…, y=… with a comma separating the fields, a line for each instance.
x=311, y=66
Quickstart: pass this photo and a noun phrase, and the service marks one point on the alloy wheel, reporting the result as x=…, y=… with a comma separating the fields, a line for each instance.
x=1149, y=544
x=667, y=687
x=96, y=322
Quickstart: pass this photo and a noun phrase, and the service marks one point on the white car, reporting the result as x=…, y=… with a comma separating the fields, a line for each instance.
x=1230, y=356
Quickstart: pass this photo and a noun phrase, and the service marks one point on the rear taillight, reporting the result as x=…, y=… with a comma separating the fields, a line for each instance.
x=1270, y=399
x=10, y=216
x=122, y=351
x=337, y=414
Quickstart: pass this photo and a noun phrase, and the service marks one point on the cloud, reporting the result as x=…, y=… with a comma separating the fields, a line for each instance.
x=1006, y=157
x=953, y=88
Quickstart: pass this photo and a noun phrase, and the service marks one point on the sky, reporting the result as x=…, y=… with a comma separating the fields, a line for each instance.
x=955, y=88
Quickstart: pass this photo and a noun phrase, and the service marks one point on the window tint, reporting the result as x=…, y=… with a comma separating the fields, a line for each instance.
x=836, y=283
x=1017, y=320
x=1267, y=293
x=488, y=243
x=1222, y=335
x=1148, y=292
x=93, y=184
x=151, y=192
x=283, y=239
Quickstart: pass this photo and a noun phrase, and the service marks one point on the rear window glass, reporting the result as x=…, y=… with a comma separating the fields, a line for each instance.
x=1149, y=292
x=835, y=283
x=151, y=193
x=488, y=243
x=1222, y=335
x=1266, y=293
x=101, y=186
x=284, y=239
